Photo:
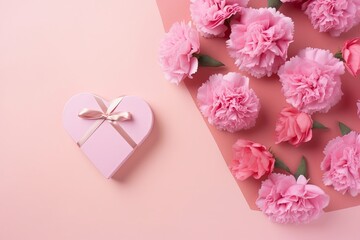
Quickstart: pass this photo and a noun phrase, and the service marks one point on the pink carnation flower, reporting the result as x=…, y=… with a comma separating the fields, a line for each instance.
x=311, y=80
x=251, y=159
x=333, y=16
x=351, y=56
x=341, y=164
x=294, y=127
x=358, y=108
x=259, y=42
x=209, y=16
x=228, y=103
x=285, y=200
x=177, y=51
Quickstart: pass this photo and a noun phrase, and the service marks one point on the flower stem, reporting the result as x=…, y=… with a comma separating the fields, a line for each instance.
x=339, y=56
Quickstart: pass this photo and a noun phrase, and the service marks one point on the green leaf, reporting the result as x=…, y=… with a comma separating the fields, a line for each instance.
x=302, y=169
x=318, y=125
x=207, y=61
x=228, y=21
x=339, y=56
x=281, y=165
x=275, y=4
x=344, y=129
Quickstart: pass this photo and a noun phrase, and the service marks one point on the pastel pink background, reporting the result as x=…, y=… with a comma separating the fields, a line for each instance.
x=172, y=188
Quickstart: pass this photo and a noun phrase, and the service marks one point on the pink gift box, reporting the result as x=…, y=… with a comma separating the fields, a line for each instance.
x=107, y=132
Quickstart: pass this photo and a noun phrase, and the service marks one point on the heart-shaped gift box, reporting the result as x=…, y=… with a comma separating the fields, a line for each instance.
x=107, y=132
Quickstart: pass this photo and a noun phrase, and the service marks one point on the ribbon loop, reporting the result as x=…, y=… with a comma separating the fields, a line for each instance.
x=119, y=117
x=91, y=114
x=107, y=114
x=97, y=115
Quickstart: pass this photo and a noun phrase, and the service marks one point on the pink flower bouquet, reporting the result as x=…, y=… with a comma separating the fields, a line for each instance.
x=311, y=80
x=210, y=16
x=350, y=54
x=294, y=82
x=251, y=159
x=228, y=102
x=259, y=42
x=294, y=127
x=179, y=53
x=333, y=16
x=286, y=200
x=341, y=164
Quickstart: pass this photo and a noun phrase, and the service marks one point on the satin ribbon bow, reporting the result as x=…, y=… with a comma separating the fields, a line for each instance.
x=106, y=115
x=97, y=115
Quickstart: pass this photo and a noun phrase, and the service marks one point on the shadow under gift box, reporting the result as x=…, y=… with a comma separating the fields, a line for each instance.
x=110, y=143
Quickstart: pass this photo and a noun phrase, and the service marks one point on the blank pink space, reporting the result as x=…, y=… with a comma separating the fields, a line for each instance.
x=175, y=187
